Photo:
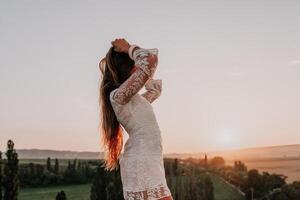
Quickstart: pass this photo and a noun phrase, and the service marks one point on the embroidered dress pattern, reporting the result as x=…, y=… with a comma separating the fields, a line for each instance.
x=141, y=164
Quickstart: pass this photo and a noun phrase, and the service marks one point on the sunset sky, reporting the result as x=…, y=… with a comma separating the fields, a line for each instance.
x=230, y=71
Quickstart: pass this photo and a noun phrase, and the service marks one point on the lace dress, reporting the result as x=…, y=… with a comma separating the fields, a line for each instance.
x=141, y=164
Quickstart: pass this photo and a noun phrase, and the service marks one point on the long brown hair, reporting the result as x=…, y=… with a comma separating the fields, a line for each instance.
x=116, y=68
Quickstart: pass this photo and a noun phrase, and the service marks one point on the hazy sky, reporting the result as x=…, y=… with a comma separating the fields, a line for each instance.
x=230, y=71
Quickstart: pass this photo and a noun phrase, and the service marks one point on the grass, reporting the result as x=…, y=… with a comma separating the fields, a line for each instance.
x=73, y=192
x=223, y=191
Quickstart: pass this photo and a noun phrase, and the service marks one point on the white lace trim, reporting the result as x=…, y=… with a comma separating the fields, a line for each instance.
x=155, y=193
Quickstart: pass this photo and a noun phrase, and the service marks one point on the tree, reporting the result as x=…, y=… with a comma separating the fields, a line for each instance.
x=115, y=185
x=79, y=166
x=217, y=161
x=176, y=174
x=48, y=164
x=11, y=178
x=61, y=195
x=0, y=175
x=175, y=167
x=98, y=189
x=240, y=166
x=200, y=189
x=208, y=188
x=260, y=185
x=289, y=191
x=254, y=184
x=56, y=166
x=205, y=161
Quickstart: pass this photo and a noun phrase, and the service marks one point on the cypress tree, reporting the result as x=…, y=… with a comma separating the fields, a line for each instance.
x=175, y=167
x=79, y=166
x=48, y=164
x=69, y=165
x=74, y=164
x=11, y=169
x=205, y=162
x=56, y=166
x=176, y=174
x=236, y=165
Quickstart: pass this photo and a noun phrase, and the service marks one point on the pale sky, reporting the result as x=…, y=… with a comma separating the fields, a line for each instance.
x=230, y=71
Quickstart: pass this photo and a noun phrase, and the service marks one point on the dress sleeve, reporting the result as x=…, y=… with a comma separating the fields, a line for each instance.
x=137, y=79
x=153, y=89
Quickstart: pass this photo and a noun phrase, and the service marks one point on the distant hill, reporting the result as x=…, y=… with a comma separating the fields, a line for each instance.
x=271, y=152
x=44, y=153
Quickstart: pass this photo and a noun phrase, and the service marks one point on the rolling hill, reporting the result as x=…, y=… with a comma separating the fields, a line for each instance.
x=272, y=152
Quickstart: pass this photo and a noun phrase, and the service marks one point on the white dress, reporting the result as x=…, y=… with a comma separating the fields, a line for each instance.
x=141, y=164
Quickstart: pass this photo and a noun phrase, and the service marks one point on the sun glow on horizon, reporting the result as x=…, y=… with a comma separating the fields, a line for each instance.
x=227, y=139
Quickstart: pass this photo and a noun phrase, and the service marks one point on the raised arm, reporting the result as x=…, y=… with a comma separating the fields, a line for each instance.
x=146, y=64
x=153, y=89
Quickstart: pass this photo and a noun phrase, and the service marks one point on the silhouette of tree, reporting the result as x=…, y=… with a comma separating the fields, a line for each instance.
x=205, y=160
x=208, y=188
x=0, y=175
x=217, y=161
x=287, y=192
x=11, y=179
x=175, y=167
x=98, y=189
x=260, y=185
x=61, y=195
x=48, y=165
x=56, y=166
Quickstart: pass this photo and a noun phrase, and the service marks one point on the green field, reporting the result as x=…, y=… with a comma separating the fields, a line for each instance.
x=223, y=191
x=81, y=192
x=73, y=192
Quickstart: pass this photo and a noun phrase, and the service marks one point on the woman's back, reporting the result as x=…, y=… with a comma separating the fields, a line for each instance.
x=138, y=119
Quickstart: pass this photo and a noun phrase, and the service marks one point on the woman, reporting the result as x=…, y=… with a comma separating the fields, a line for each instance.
x=126, y=69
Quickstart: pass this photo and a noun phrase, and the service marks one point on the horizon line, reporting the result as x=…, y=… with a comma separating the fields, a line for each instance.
x=234, y=149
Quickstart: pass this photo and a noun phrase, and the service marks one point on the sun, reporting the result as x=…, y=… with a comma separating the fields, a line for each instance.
x=226, y=139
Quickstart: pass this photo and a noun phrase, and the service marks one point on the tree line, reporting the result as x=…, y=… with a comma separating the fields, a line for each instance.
x=257, y=185
x=188, y=179
x=186, y=182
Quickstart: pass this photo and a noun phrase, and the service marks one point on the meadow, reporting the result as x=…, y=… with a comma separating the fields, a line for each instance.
x=74, y=192
x=222, y=191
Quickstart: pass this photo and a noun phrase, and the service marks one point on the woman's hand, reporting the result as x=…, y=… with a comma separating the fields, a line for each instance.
x=153, y=84
x=121, y=45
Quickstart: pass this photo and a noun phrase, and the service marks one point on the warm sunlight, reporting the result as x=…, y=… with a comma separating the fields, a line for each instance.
x=173, y=100
x=226, y=139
